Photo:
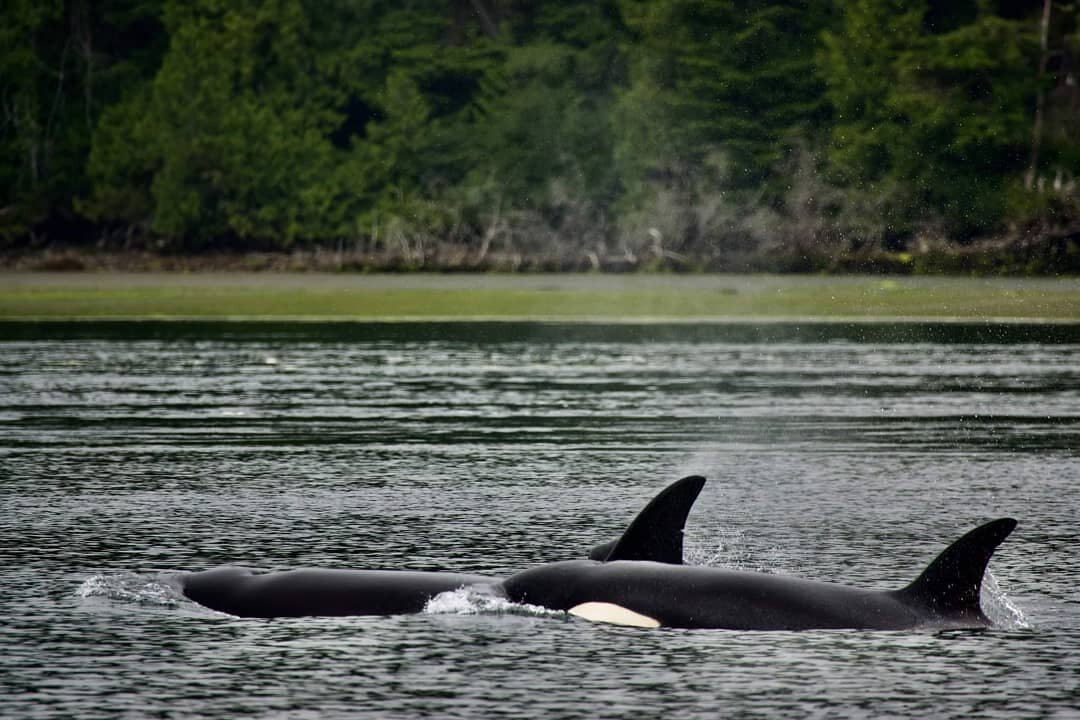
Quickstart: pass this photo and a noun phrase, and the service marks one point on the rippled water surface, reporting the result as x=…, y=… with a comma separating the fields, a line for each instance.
x=844, y=453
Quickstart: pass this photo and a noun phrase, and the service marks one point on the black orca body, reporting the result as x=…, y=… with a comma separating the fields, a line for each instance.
x=651, y=594
x=310, y=592
x=655, y=534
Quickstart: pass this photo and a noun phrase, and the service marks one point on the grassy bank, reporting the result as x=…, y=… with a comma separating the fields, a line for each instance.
x=565, y=297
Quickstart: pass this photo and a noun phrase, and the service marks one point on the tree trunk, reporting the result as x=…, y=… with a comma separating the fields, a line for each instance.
x=1040, y=97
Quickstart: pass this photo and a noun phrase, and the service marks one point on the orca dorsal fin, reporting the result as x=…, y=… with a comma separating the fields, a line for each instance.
x=656, y=533
x=950, y=585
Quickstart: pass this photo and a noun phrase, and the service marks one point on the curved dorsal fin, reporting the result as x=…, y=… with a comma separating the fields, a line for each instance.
x=656, y=533
x=950, y=585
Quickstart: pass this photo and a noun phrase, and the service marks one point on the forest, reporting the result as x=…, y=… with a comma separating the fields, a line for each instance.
x=907, y=136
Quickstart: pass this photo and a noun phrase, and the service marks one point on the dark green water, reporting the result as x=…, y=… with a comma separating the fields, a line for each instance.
x=851, y=453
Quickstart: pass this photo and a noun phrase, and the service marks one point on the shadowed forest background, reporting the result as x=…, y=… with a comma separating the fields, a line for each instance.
x=925, y=136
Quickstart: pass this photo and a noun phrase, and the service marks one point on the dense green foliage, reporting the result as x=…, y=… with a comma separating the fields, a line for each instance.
x=709, y=132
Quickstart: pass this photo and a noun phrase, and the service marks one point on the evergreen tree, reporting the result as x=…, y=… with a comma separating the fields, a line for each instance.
x=724, y=75
x=231, y=133
x=933, y=122
x=54, y=81
x=542, y=121
x=696, y=126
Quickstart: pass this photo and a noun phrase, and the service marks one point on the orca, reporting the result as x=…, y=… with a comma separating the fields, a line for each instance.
x=307, y=592
x=655, y=534
x=636, y=592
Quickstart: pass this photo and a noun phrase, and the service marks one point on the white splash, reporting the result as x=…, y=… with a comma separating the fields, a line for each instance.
x=479, y=600
x=732, y=552
x=129, y=587
x=998, y=608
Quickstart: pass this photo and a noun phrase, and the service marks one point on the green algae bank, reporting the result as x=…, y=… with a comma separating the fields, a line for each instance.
x=532, y=297
x=851, y=452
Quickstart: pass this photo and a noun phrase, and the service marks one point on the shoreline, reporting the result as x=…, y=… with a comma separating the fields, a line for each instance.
x=1047, y=256
x=555, y=320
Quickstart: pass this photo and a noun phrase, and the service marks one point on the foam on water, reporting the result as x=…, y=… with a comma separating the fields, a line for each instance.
x=480, y=600
x=130, y=587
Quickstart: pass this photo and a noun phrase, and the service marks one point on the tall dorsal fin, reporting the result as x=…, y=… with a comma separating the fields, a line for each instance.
x=657, y=532
x=950, y=585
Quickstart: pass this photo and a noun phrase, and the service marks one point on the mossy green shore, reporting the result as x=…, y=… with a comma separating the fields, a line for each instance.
x=251, y=296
